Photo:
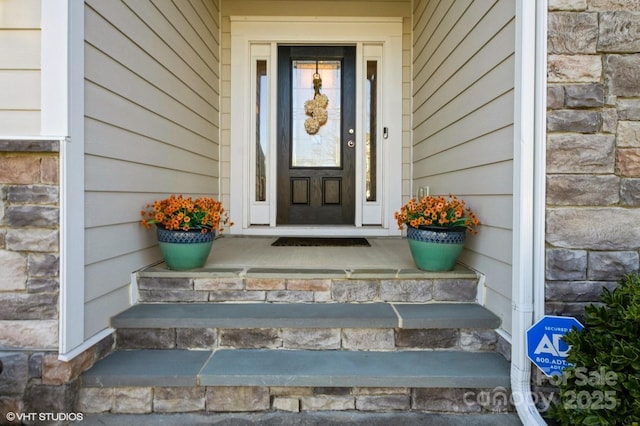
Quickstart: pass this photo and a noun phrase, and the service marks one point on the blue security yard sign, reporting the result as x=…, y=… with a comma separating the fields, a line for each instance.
x=545, y=346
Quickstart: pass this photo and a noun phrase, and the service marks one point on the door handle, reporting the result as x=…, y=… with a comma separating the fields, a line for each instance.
x=351, y=143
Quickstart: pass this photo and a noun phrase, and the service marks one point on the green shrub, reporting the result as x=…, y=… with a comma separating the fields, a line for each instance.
x=603, y=385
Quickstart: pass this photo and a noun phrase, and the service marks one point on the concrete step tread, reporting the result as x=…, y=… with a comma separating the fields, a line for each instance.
x=259, y=367
x=306, y=315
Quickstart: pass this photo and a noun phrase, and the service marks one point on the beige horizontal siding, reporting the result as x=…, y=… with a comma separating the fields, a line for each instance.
x=132, y=148
x=105, y=106
x=151, y=124
x=20, y=52
x=498, y=303
x=19, y=49
x=463, y=81
x=100, y=310
x=123, y=176
x=19, y=123
x=20, y=14
x=20, y=89
x=178, y=81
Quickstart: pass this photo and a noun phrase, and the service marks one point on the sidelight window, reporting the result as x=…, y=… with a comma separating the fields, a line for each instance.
x=261, y=130
x=371, y=132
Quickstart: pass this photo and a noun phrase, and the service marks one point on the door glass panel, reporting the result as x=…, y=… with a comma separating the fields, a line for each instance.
x=321, y=149
x=261, y=130
x=371, y=126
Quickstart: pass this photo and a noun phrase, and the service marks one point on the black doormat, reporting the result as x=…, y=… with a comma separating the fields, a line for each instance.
x=320, y=242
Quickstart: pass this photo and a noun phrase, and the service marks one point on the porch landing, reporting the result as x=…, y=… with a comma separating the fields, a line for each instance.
x=387, y=257
x=232, y=251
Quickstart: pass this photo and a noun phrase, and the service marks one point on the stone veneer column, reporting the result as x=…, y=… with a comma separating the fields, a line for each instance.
x=593, y=150
x=29, y=257
x=32, y=379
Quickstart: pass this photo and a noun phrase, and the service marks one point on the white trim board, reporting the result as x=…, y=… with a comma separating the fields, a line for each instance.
x=248, y=33
x=63, y=115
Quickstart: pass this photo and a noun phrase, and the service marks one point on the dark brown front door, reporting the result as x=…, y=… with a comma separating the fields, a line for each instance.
x=316, y=169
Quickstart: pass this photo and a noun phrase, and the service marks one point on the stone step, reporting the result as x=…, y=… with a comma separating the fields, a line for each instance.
x=299, y=368
x=306, y=315
x=306, y=285
x=318, y=326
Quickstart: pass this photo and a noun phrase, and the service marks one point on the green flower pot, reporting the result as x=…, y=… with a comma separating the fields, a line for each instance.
x=184, y=250
x=436, y=248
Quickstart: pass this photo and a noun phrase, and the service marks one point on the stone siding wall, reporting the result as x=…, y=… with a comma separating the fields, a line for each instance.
x=29, y=244
x=593, y=150
x=29, y=261
x=32, y=378
x=375, y=339
x=235, y=288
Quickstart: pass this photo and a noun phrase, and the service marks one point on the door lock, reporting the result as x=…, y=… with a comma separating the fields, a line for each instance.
x=351, y=143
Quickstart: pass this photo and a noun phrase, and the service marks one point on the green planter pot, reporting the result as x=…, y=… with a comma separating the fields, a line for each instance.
x=436, y=248
x=184, y=250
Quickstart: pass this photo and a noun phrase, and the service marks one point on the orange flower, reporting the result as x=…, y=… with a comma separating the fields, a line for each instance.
x=438, y=211
x=183, y=213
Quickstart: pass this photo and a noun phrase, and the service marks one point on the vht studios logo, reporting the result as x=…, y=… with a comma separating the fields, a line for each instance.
x=545, y=345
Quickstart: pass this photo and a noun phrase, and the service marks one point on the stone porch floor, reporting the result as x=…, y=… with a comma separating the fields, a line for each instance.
x=238, y=251
x=255, y=256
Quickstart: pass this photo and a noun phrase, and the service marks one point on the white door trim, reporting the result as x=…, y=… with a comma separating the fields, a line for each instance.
x=270, y=31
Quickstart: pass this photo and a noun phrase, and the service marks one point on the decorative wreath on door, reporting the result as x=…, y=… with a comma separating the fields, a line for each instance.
x=316, y=108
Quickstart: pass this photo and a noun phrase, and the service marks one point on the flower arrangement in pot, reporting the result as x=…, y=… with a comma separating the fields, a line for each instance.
x=436, y=230
x=185, y=228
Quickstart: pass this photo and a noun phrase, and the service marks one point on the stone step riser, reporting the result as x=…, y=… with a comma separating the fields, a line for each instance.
x=292, y=399
x=305, y=290
x=385, y=339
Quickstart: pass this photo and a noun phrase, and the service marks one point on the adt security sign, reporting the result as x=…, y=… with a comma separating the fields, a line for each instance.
x=545, y=347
